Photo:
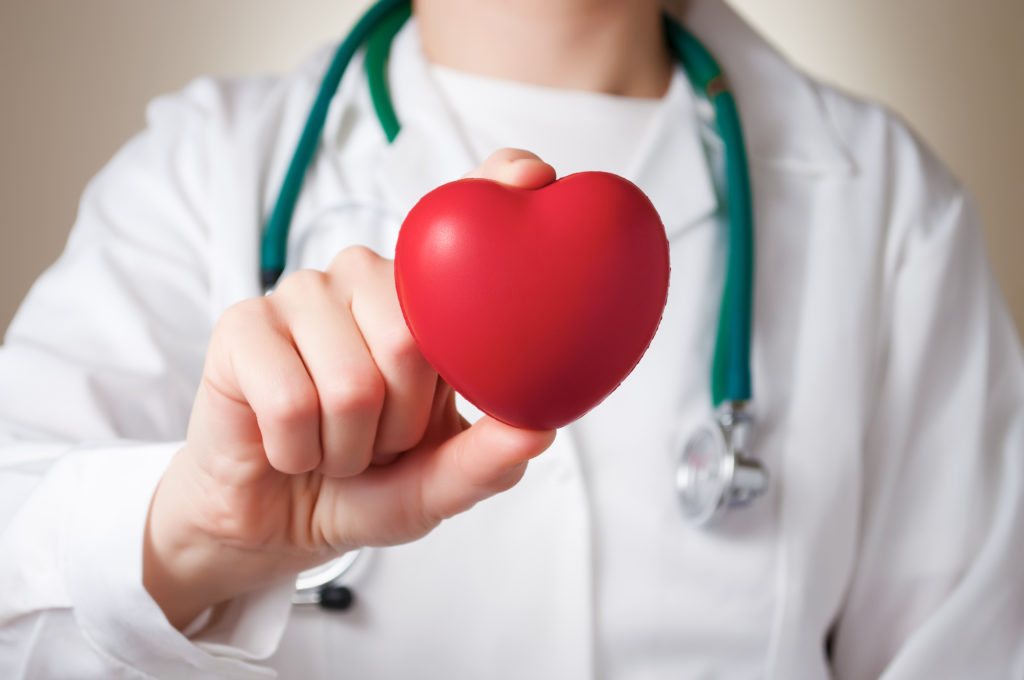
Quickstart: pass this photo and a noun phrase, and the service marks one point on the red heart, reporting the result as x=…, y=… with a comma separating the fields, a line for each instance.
x=533, y=304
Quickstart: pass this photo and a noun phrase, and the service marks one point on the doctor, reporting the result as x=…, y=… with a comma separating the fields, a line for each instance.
x=176, y=447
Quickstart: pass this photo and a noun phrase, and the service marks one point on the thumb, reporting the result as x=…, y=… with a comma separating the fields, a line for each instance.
x=405, y=499
x=485, y=459
x=515, y=167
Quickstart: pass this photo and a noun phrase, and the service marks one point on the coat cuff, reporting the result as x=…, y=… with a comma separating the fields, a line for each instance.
x=103, y=573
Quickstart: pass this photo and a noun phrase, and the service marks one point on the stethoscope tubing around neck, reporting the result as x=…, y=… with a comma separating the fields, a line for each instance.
x=730, y=370
x=274, y=242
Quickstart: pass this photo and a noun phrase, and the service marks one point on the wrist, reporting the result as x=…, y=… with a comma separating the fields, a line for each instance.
x=166, y=577
x=177, y=561
x=185, y=569
x=187, y=566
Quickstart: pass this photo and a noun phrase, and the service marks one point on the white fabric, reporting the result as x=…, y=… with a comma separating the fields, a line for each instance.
x=572, y=130
x=890, y=403
x=649, y=594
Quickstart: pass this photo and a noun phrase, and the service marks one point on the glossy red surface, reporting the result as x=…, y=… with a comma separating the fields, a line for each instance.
x=533, y=304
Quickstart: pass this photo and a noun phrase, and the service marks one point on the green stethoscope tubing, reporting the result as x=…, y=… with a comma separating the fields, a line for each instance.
x=730, y=368
x=274, y=243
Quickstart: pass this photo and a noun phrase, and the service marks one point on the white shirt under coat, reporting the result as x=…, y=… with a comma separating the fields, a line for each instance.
x=889, y=394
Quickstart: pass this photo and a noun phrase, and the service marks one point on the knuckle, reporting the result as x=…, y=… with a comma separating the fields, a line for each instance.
x=357, y=391
x=398, y=349
x=401, y=439
x=291, y=406
x=300, y=284
x=242, y=315
x=485, y=480
x=354, y=261
x=509, y=478
x=418, y=513
x=349, y=461
x=357, y=462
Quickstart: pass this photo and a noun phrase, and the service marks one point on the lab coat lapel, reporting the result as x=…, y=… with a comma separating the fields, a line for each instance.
x=792, y=146
x=430, y=149
x=785, y=123
x=674, y=140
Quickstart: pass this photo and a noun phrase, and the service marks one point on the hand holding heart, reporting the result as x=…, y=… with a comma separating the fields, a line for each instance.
x=318, y=427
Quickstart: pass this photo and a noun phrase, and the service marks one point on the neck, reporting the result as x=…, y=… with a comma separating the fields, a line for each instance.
x=611, y=46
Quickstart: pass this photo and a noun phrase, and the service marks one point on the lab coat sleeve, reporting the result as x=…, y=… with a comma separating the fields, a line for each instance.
x=97, y=376
x=937, y=591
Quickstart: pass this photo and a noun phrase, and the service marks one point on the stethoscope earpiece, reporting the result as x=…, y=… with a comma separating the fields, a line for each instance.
x=336, y=598
x=319, y=585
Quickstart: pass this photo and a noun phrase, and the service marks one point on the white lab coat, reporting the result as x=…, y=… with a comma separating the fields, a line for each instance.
x=888, y=379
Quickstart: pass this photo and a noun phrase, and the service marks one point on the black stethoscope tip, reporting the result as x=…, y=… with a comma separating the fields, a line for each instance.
x=336, y=598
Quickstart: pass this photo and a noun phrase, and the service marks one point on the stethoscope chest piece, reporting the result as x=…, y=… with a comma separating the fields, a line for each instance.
x=714, y=475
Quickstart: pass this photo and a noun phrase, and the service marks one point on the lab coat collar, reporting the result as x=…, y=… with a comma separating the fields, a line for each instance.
x=671, y=167
x=784, y=120
x=785, y=123
x=431, y=150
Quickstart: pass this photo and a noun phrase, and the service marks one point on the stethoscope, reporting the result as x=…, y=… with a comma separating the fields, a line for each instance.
x=716, y=471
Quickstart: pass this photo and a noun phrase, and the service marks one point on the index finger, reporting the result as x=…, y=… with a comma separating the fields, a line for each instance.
x=515, y=167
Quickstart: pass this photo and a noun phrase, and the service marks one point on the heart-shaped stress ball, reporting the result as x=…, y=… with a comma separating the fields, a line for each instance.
x=534, y=304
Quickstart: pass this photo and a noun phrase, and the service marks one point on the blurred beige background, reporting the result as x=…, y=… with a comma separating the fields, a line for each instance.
x=75, y=76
